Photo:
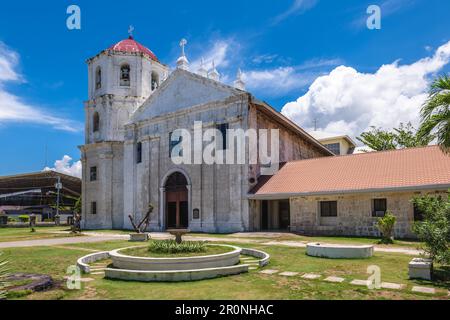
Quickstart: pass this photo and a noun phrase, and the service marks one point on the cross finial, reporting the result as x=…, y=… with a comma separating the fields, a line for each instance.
x=130, y=31
x=183, y=43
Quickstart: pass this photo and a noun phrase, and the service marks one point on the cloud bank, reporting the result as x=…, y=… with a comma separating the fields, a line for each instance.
x=13, y=109
x=66, y=166
x=346, y=101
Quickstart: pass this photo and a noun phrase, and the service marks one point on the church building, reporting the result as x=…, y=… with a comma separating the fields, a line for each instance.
x=136, y=103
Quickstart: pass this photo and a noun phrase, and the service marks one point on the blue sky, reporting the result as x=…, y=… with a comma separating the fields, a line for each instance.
x=283, y=47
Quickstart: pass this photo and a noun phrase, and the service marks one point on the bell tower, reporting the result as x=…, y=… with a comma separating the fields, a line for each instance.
x=121, y=78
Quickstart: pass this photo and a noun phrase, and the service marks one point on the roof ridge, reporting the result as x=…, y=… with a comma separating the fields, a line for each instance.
x=367, y=153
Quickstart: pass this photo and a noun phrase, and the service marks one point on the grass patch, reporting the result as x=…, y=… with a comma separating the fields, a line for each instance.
x=145, y=252
x=394, y=268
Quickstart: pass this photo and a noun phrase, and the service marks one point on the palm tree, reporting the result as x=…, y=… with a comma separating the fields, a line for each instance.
x=436, y=113
x=3, y=277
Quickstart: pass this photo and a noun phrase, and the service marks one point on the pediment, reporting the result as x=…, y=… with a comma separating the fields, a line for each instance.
x=183, y=90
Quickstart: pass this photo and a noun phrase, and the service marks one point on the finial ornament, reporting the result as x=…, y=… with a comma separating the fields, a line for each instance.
x=183, y=43
x=130, y=31
x=214, y=74
x=182, y=62
x=239, y=83
x=202, y=70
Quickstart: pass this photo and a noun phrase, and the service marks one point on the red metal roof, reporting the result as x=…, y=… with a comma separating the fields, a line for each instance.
x=132, y=46
x=397, y=169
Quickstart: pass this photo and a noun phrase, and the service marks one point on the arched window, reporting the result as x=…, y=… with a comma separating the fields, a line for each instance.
x=96, y=122
x=139, y=152
x=98, y=78
x=125, y=75
x=155, y=81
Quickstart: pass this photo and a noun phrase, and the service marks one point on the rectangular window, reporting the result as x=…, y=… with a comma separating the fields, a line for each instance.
x=223, y=130
x=93, y=174
x=334, y=147
x=173, y=144
x=418, y=214
x=328, y=208
x=379, y=207
x=139, y=152
x=93, y=207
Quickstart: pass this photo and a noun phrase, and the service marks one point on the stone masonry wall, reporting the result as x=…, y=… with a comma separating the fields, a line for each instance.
x=354, y=214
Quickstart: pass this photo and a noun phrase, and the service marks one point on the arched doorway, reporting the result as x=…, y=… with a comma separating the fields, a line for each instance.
x=177, y=201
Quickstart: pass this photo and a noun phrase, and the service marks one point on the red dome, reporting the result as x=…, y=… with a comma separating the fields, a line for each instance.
x=131, y=46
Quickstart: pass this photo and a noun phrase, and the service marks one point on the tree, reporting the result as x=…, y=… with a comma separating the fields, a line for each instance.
x=405, y=136
x=386, y=227
x=378, y=139
x=435, y=115
x=435, y=229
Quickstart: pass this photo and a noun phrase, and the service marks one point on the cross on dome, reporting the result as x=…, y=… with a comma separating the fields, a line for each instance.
x=130, y=31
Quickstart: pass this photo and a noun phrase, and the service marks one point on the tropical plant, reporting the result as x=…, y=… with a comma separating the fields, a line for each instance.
x=24, y=218
x=405, y=136
x=435, y=114
x=3, y=277
x=434, y=230
x=386, y=226
x=172, y=247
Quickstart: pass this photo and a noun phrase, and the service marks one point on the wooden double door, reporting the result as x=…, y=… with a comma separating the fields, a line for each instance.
x=177, y=209
x=177, y=202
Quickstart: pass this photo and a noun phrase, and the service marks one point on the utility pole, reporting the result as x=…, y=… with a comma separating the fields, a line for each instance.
x=58, y=186
x=315, y=124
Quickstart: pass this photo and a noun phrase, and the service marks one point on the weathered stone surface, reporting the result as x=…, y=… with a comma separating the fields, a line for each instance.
x=288, y=274
x=360, y=283
x=269, y=271
x=421, y=269
x=311, y=276
x=392, y=286
x=424, y=290
x=354, y=214
x=335, y=279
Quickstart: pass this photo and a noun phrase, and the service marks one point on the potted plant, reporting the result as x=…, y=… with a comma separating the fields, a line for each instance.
x=140, y=229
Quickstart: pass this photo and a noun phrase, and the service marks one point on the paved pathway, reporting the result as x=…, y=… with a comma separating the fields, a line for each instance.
x=55, y=241
x=99, y=237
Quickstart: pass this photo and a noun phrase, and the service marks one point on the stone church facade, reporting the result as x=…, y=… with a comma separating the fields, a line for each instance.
x=135, y=104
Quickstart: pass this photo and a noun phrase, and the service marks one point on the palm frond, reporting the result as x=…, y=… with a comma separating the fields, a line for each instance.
x=3, y=277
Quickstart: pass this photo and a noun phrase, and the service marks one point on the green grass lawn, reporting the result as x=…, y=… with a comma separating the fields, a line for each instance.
x=21, y=234
x=394, y=267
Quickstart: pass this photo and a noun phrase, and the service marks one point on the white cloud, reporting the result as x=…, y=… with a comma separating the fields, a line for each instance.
x=219, y=53
x=66, y=166
x=348, y=102
x=281, y=80
x=297, y=7
x=14, y=109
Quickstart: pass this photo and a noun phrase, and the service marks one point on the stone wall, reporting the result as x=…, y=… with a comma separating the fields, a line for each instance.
x=354, y=214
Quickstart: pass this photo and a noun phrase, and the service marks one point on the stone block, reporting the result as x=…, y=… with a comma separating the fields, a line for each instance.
x=139, y=237
x=311, y=276
x=424, y=290
x=335, y=279
x=421, y=269
x=288, y=274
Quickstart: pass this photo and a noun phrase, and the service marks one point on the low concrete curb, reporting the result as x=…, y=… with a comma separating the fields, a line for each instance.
x=83, y=262
x=263, y=256
x=176, y=275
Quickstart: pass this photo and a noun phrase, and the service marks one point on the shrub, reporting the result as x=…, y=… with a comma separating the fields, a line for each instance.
x=170, y=246
x=386, y=227
x=434, y=231
x=24, y=218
